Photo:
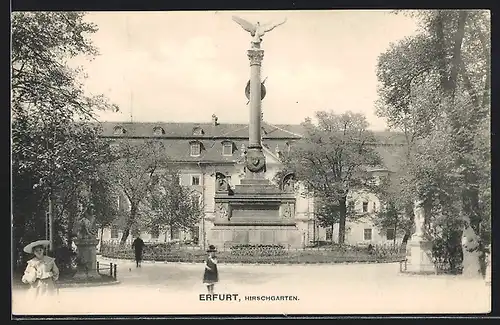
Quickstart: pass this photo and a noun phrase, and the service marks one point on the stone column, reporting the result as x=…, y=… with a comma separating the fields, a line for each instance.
x=255, y=56
x=255, y=158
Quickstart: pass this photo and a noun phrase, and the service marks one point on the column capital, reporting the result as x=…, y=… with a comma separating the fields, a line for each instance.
x=255, y=56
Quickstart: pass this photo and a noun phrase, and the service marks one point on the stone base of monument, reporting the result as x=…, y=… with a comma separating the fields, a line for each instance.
x=87, y=251
x=287, y=235
x=257, y=212
x=418, y=257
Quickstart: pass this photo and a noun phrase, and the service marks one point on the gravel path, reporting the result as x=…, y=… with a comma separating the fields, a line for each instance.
x=175, y=288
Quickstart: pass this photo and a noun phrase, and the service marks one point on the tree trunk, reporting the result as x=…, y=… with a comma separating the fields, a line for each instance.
x=102, y=234
x=395, y=232
x=333, y=225
x=128, y=224
x=342, y=219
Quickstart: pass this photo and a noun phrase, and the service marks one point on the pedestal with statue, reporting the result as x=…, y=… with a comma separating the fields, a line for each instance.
x=86, y=243
x=255, y=211
x=418, y=248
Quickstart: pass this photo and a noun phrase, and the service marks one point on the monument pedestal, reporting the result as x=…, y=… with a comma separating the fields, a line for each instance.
x=87, y=266
x=419, y=258
x=256, y=212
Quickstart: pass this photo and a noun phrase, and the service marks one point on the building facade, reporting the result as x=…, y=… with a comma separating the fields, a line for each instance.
x=204, y=150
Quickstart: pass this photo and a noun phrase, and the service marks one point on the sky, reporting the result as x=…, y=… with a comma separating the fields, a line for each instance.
x=186, y=66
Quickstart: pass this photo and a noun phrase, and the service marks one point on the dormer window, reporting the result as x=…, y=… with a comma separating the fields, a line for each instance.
x=158, y=131
x=118, y=130
x=195, y=149
x=227, y=148
x=198, y=131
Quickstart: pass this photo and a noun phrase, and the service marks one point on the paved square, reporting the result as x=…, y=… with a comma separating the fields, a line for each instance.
x=175, y=288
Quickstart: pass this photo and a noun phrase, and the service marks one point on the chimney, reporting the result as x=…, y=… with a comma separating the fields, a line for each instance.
x=214, y=120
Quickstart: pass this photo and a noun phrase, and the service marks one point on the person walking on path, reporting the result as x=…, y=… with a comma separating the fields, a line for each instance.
x=138, y=246
x=211, y=274
x=41, y=274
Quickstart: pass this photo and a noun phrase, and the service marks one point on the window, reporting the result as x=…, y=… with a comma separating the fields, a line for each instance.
x=365, y=206
x=122, y=203
x=114, y=232
x=195, y=180
x=374, y=206
x=227, y=149
x=176, y=234
x=158, y=131
x=118, y=130
x=367, y=235
x=390, y=234
x=195, y=149
x=350, y=206
x=329, y=234
x=198, y=131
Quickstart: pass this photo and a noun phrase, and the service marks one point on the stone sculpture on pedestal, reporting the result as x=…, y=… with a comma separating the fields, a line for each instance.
x=418, y=250
x=86, y=243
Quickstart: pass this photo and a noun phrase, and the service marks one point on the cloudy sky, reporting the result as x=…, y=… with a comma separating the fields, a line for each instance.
x=185, y=66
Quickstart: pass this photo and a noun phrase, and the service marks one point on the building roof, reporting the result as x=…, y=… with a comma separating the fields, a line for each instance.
x=177, y=136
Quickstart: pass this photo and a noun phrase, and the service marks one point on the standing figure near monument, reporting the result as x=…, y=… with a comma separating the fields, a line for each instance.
x=211, y=275
x=138, y=246
x=41, y=273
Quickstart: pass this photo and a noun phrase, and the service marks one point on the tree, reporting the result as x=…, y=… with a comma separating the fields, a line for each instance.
x=174, y=206
x=331, y=160
x=54, y=147
x=102, y=199
x=447, y=89
x=134, y=172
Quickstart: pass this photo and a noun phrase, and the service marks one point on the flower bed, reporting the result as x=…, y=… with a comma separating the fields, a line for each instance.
x=260, y=254
x=257, y=250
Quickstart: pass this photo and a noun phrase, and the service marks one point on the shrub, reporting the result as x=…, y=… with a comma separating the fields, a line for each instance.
x=66, y=260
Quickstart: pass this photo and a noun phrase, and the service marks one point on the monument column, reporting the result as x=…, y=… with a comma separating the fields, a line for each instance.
x=255, y=56
x=255, y=159
x=255, y=165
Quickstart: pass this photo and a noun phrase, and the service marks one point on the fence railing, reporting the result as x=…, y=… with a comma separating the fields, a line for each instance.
x=261, y=254
x=109, y=270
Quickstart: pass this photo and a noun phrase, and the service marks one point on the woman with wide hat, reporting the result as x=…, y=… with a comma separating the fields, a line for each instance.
x=211, y=275
x=41, y=272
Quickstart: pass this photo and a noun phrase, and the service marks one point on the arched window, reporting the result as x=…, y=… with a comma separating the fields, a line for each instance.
x=157, y=130
x=198, y=131
x=118, y=130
